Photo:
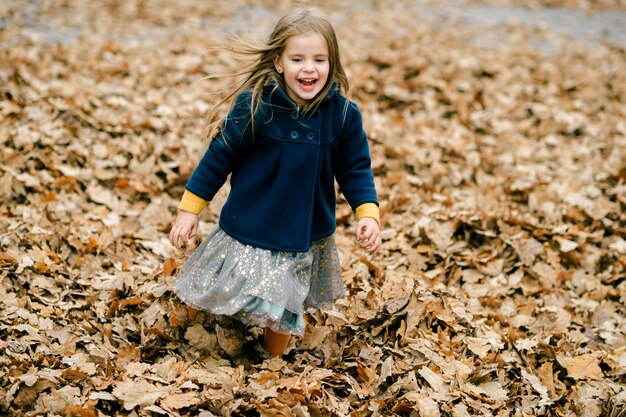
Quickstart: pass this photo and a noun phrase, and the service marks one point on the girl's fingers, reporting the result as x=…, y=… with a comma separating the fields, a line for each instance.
x=364, y=234
x=177, y=234
x=368, y=236
x=175, y=239
x=192, y=232
x=173, y=236
x=374, y=247
x=368, y=239
x=184, y=229
x=184, y=234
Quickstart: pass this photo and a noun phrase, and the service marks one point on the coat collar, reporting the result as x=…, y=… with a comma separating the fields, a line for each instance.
x=276, y=96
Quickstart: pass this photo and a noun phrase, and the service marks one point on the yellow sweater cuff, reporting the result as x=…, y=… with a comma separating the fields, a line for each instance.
x=368, y=210
x=192, y=203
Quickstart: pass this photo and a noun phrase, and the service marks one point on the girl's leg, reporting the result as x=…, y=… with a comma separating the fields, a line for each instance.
x=275, y=343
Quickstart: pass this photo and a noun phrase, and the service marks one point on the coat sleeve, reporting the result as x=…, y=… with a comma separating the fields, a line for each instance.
x=224, y=152
x=353, y=164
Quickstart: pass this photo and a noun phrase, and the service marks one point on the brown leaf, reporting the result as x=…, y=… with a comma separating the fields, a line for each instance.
x=366, y=374
x=177, y=316
x=230, y=339
x=170, y=267
x=7, y=261
x=178, y=401
x=75, y=375
x=200, y=338
x=314, y=337
x=139, y=393
x=117, y=305
x=402, y=408
x=78, y=411
x=581, y=367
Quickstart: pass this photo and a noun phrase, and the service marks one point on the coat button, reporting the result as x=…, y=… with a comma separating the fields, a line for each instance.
x=294, y=116
x=294, y=134
x=310, y=136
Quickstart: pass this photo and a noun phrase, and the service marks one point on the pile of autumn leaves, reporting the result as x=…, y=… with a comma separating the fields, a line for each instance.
x=499, y=290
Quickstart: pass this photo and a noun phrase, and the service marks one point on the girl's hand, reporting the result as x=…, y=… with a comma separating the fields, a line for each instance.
x=185, y=227
x=368, y=235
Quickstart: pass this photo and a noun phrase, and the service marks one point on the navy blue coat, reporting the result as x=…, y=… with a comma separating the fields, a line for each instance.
x=283, y=169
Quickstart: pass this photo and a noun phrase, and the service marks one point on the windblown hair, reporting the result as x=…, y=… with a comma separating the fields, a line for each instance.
x=261, y=72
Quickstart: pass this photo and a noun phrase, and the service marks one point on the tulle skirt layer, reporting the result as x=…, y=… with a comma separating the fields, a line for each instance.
x=258, y=286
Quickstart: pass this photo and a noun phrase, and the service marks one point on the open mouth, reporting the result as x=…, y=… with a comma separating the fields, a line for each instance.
x=307, y=83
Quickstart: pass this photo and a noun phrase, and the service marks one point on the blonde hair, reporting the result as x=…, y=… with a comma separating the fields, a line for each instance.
x=261, y=72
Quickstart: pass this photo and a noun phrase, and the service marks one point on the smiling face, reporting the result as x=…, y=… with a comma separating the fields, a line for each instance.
x=304, y=65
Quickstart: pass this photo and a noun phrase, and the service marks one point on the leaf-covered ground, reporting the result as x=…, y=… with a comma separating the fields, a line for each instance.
x=499, y=291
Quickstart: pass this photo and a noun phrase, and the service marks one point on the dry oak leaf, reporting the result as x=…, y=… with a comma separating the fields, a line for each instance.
x=581, y=367
x=566, y=245
x=199, y=338
x=537, y=386
x=313, y=338
x=178, y=401
x=491, y=389
x=78, y=411
x=618, y=245
x=140, y=393
x=478, y=346
x=230, y=340
x=435, y=380
x=169, y=267
x=428, y=407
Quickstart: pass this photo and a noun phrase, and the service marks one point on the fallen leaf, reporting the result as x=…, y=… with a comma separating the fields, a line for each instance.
x=139, y=393
x=581, y=367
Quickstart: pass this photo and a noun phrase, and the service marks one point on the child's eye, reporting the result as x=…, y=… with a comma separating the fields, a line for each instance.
x=296, y=59
x=320, y=60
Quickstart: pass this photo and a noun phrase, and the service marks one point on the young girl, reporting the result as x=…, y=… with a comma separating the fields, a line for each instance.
x=288, y=135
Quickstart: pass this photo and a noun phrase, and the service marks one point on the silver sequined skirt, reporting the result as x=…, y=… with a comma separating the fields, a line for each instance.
x=260, y=287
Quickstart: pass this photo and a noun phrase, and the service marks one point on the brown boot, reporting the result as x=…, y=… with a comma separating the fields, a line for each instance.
x=275, y=343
